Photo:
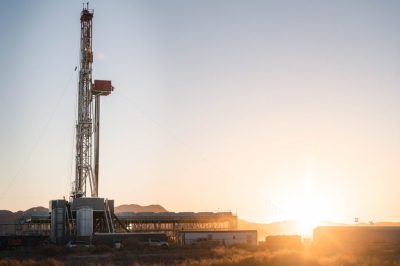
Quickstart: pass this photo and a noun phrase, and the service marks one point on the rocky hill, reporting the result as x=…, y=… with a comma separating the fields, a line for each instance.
x=12, y=217
x=7, y=216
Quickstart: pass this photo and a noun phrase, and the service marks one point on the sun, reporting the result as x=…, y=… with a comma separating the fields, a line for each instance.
x=305, y=212
x=307, y=219
x=305, y=205
x=307, y=208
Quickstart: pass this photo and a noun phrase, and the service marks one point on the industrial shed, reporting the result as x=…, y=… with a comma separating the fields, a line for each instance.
x=221, y=237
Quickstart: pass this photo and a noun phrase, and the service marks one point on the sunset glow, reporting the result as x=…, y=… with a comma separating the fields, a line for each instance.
x=274, y=110
x=306, y=208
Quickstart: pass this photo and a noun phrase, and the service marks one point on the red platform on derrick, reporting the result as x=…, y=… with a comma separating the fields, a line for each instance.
x=102, y=87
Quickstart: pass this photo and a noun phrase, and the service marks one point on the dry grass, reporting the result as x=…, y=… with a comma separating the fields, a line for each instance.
x=239, y=257
x=30, y=262
x=207, y=256
x=221, y=256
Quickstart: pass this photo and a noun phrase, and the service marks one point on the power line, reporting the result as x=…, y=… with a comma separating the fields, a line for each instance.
x=38, y=140
x=176, y=138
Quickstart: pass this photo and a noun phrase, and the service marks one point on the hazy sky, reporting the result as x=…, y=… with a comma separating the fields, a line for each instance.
x=271, y=109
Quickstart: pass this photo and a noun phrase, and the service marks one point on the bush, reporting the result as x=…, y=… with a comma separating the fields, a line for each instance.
x=247, y=247
x=133, y=245
x=52, y=251
x=100, y=249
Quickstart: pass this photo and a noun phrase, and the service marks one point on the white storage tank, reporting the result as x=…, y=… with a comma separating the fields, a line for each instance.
x=84, y=221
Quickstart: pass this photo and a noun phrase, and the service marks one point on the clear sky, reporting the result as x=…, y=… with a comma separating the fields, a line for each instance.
x=271, y=109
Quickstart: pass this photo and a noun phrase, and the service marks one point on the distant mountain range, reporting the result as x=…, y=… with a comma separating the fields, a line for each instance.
x=11, y=217
x=287, y=227
x=7, y=216
x=276, y=228
x=293, y=227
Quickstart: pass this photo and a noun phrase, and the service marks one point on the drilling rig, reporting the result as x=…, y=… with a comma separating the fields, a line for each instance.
x=81, y=216
x=88, y=96
x=91, y=218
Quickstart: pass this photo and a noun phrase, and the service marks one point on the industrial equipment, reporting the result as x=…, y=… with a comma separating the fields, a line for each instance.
x=82, y=216
x=90, y=218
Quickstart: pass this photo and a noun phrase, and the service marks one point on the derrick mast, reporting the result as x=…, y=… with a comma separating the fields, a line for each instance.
x=84, y=127
x=88, y=122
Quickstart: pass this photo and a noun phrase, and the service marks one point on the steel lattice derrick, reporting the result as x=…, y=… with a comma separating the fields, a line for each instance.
x=84, y=127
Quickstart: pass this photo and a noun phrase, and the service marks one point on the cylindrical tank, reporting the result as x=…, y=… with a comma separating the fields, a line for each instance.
x=57, y=225
x=84, y=221
x=53, y=229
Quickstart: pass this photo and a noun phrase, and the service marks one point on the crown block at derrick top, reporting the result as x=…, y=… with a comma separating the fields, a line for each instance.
x=86, y=15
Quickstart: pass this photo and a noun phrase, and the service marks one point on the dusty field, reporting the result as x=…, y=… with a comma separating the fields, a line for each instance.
x=240, y=256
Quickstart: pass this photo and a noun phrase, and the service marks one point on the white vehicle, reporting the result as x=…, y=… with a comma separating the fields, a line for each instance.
x=74, y=244
x=157, y=243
